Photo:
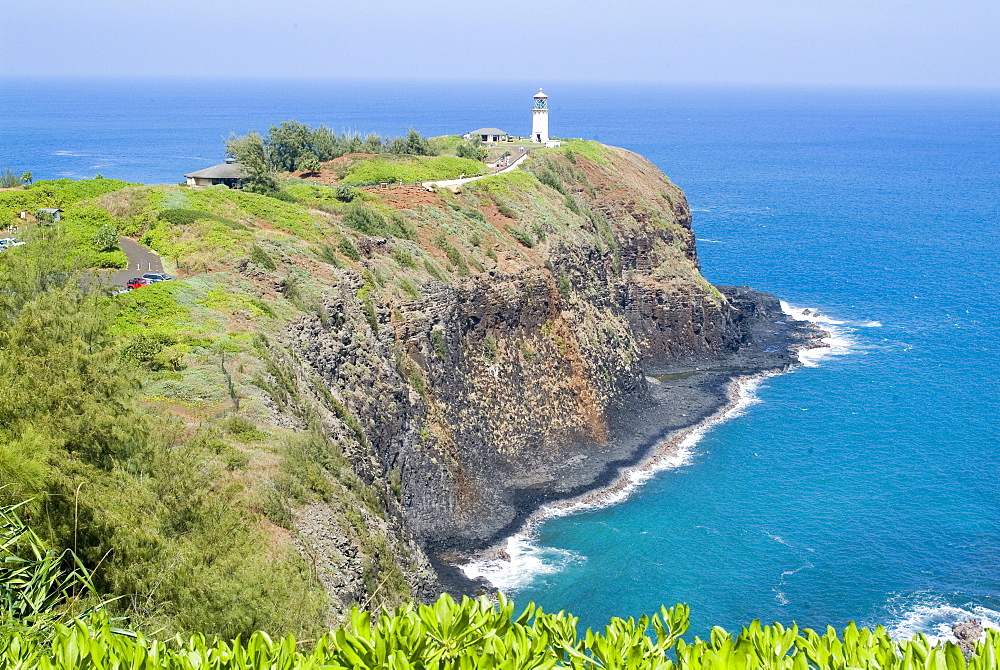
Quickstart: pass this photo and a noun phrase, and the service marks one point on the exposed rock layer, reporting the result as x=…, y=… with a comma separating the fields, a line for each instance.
x=492, y=393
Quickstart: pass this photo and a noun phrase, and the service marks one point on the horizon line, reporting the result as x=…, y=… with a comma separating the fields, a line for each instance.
x=546, y=81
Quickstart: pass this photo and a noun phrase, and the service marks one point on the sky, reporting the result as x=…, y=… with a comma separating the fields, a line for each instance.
x=906, y=43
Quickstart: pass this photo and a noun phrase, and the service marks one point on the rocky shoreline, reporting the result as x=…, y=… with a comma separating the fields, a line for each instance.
x=682, y=397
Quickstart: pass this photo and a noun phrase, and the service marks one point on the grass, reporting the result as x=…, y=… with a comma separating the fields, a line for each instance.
x=506, y=184
x=410, y=169
x=595, y=152
x=256, y=264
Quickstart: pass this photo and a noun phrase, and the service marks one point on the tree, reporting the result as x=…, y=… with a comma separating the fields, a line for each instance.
x=417, y=145
x=105, y=239
x=309, y=164
x=254, y=158
x=26, y=178
x=290, y=142
x=8, y=179
x=372, y=144
x=472, y=149
x=412, y=144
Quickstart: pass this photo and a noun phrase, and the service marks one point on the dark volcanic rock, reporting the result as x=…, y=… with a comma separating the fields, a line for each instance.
x=473, y=404
x=968, y=634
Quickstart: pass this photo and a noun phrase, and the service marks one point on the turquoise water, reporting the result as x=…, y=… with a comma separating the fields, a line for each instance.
x=866, y=487
x=863, y=487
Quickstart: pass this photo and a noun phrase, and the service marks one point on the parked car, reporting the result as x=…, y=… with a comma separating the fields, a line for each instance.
x=10, y=242
x=153, y=277
x=136, y=282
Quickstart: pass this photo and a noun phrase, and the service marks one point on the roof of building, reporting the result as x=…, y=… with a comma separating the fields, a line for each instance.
x=488, y=131
x=540, y=94
x=50, y=210
x=222, y=171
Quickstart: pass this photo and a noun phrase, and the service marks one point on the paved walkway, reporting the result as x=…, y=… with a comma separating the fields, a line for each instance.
x=140, y=261
x=454, y=183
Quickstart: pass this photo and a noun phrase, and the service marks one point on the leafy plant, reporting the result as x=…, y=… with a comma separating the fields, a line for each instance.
x=478, y=634
x=522, y=236
x=105, y=239
x=40, y=587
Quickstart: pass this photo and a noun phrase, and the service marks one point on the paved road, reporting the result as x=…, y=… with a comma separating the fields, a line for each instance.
x=140, y=261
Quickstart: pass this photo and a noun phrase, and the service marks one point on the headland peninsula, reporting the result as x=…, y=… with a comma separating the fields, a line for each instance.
x=355, y=378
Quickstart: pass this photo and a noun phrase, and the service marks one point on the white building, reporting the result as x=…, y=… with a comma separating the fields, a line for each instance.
x=540, y=120
x=488, y=135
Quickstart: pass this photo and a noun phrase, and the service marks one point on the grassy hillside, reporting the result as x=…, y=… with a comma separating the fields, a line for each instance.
x=163, y=432
x=409, y=169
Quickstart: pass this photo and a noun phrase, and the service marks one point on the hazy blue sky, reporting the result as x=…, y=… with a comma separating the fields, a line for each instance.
x=877, y=42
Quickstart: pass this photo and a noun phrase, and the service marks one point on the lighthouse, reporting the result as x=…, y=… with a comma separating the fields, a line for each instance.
x=540, y=118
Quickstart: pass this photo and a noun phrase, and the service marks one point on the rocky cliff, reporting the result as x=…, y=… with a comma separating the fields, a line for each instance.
x=492, y=388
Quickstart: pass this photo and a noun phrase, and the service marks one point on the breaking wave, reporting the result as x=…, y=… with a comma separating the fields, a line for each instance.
x=934, y=618
x=526, y=561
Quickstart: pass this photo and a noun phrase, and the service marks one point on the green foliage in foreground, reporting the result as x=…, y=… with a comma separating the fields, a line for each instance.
x=480, y=634
x=162, y=519
x=39, y=587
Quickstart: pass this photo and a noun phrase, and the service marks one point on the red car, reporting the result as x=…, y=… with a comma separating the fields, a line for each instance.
x=136, y=282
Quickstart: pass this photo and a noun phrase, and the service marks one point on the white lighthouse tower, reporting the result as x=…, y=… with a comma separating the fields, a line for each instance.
x=540, y=118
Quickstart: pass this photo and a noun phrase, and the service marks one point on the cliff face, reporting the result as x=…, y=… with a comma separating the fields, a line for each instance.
x=485, y=392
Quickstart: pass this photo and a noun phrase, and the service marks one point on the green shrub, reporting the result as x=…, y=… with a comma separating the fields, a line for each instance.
x=440, y=344
x=434, y=271
x=365, y=219
x=454, y=255
x=521, y=236
x=261, y=258
x=346, y=193
x=143, y=347
x=564, y=286
x=410, y=289
x=548, y=177
x=506, y=210
x=404, y=258
x=327, y=253
x=490, y=347
x=347, y=248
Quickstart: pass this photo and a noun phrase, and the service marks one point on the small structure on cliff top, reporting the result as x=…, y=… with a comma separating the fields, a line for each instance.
x=488, y=135
x=227, y=173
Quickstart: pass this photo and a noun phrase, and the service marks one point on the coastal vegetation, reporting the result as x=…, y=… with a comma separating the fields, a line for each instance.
x=221, y=453
x=52, y=618
x=295, y=147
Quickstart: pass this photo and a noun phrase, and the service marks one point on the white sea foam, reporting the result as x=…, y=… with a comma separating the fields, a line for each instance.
x=934, y=618
x=528, y=561
x=838, y=341
x=75, y=154
x=702, y=239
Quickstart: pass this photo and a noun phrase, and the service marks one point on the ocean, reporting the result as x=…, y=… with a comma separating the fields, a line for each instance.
x=862, y=486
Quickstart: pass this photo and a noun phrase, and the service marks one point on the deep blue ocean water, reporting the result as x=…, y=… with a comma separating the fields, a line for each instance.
x=862, y=488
